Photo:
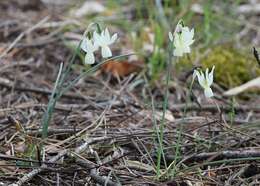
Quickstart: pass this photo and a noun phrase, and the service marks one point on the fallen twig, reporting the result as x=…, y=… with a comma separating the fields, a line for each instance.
x=228, y=154
x=213, y=108
x=34, y=172
x=29, y=30
x=97, y=178
x=9, y=84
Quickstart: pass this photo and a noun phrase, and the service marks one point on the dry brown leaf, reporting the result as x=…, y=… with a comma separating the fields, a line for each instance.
x=252, y=84
x=122, y=68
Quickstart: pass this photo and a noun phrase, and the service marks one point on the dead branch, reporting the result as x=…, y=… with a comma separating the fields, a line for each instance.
x=222, y=155
x=213, y=108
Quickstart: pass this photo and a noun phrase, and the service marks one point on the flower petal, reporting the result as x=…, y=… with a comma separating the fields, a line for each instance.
x=208, y=92
x=89, y=58
x=177, y=41
x=194, y=74
x=187, y=35
x=97, y=39
x=84, y=44
x=106, y=52
x=106, y=33
x=210, y=78
x=170, y=36
x=178, y=52
x=113, y=38
x=201, y=78
x=207, y=74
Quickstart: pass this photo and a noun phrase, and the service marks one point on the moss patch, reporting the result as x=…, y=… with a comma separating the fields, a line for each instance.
x=233, y=67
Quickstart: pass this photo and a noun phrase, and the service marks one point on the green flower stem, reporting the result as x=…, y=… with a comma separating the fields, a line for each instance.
x=58, y=91
x=232, y=111
x=160, y=152
x=48, y=114
x=62, y=75
x=177, y=150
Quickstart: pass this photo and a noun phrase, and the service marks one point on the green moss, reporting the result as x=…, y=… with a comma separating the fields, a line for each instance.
x=233, y=67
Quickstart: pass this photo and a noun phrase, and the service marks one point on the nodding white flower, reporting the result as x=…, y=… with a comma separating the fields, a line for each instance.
x=182, y=39
x=104, y=40
x=89, y=47
x=205, y=81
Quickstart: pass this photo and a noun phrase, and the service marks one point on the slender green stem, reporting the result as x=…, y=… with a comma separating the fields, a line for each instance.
x=188, y=99
x=62, y=75
x=177, y=149
x=232, y=112
x=58, y=91
x=162, y=124
x=48, y=114
x=160, y=152
x=68, y=69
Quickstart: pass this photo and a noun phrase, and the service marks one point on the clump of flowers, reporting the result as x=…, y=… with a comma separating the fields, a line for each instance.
x=182, y=38
x=103, y=40
x=205, y=80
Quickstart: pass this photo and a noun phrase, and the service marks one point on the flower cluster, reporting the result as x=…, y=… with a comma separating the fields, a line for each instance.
x=102, y=40
x=182, y=39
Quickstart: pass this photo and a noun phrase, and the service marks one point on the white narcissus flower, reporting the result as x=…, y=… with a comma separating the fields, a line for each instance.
x=89, y=47
x=182, y=39
x=205, y=81
x=104, y=40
